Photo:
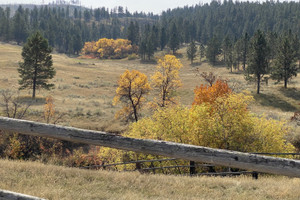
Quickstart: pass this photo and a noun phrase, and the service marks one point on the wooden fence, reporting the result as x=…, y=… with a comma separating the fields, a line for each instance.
x=253, y=162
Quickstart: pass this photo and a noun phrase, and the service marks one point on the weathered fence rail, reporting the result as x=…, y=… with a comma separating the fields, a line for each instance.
x=8, y=195
x=253, y=162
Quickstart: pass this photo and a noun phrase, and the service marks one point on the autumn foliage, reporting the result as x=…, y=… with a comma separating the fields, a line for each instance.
x=166, y=80
x=209, y=94
x=109, y=48
x=231, y=126
x=133, y=86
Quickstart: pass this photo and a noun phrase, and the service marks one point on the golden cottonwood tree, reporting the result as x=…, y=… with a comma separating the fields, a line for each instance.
x=133, y=86
x=109, y=48
x=166, y=79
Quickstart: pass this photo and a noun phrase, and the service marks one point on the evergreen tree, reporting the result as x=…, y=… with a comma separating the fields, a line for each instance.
x=36, y=68
x=245, y=47
x=174, y=38
x=20, y=25
x=229, y=58
x=132, y=33
x=163, y=38
x=237, y=53
x=212, y=50
x=201, y=51
x=225, y=46
x=97, y=14
x=192, y=51
x=285, y=64
x=258, y=58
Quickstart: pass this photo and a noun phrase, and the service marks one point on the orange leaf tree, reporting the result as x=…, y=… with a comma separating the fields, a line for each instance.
x=133, y=86
x=209, y=94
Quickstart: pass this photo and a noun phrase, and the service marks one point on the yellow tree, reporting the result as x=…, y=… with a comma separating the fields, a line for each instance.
x=133, y=86
x=166, y=79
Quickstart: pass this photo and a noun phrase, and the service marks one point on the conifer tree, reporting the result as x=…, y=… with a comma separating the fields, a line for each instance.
x=285, y=64
x=258, y=58
x=245, y=49
x=192, y=51
x=212, y=50
x=163, y=38
x=201, y=51
x=174, y=38
x=37, y=67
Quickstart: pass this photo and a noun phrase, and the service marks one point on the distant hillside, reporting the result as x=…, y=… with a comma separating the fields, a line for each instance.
x=68, y=27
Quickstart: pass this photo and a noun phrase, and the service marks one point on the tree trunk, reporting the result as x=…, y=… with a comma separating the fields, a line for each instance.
x=285, y=82
x=34, y=83
x=258, y=84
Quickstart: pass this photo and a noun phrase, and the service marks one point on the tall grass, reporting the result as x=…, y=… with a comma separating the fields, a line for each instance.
x=54, y=182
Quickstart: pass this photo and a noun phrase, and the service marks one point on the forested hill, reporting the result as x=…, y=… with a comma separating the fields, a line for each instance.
x=234, y=19
x=68, y=27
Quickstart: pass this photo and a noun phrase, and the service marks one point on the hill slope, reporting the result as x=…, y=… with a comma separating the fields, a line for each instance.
x=85, y=88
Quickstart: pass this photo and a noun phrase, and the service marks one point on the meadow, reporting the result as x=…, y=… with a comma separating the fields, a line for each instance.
x=84, y=88
x=84, y=92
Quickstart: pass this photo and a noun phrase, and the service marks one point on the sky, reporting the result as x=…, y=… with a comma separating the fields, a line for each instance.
x=155, y=6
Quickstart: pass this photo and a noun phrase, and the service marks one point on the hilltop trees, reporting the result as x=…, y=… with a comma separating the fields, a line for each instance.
x=258, y=58
x=37, y=67
x=133, y=86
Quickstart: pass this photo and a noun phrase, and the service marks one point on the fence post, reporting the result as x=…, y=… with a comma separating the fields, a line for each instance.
x=192, y=168
x=254, y=175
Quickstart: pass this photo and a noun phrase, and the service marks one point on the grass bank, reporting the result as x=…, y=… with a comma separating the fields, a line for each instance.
x=55, y=182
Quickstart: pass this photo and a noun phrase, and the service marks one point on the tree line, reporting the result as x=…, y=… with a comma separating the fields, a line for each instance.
x=264, y=55
x=67, y=28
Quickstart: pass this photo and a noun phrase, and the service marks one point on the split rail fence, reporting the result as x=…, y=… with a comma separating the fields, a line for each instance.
x=247, y=161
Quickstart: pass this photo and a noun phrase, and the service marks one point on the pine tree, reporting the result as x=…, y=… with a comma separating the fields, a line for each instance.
x=258, y=58
x=192, y=51
x=19, y=25
x=163, y=38
x=285, y=64
x=174, y=38
x=201, y=51
x=37, y=66
x=245, y=49
x=212, y=50
x=225, y=46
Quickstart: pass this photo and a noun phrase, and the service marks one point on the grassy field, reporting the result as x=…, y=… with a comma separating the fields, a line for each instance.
x=53, y=182
x=85, y=88
x=84, y=92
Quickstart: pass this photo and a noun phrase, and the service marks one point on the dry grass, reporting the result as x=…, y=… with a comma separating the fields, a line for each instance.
x=84, y=91
x=85, y=88
x=53, y=182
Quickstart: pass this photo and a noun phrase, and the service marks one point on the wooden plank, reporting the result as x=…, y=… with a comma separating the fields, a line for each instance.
x=5, y=195
x=280, y=166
